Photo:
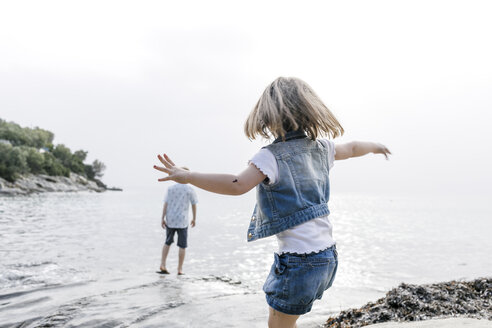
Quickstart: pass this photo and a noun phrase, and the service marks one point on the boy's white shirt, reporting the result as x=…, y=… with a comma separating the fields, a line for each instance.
x=312, y=236
x=178, y=198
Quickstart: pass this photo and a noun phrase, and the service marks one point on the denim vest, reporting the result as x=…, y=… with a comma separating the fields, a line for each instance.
x=301, y=192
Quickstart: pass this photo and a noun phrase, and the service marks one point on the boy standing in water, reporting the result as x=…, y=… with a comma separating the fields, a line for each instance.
x=175, y=220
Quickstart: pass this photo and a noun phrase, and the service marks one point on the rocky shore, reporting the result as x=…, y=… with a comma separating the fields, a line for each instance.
x=466, y=299
x=44, y=183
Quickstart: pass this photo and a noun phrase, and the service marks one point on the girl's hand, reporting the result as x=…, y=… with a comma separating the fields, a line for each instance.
x=381, y=149
x=174, y=173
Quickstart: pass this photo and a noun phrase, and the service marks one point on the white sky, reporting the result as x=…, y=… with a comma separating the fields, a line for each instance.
x=126, y=80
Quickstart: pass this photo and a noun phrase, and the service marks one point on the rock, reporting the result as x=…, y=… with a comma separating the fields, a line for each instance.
x=407, y=302
x=43, y=183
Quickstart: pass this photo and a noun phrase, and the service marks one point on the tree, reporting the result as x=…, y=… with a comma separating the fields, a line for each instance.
x=53, y=166
x=89, y=172
x=19, y=136
x=41, y=138
x=21, y=154
x=64, y=154
x=12, y=162
x=81, y=154
x=13, y=133
x=35, y=160
x=98, y=167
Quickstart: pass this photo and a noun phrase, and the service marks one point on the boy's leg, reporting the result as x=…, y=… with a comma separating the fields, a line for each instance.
x=166, y=247
x=165, y=251
x=182, y=244
x=278, y=319
x=182, y=252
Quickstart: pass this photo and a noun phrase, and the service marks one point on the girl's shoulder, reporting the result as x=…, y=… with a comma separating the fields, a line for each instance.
x=262, y=157
x=327, y=142
x=265, y=161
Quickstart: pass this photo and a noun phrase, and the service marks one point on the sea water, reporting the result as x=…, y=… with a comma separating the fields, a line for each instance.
x=89, y=259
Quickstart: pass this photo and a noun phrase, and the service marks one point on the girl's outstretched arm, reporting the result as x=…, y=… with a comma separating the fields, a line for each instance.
x=227, y=184
x=359, y=148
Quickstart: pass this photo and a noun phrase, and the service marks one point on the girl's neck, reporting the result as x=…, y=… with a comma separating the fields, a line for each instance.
x=299, y=134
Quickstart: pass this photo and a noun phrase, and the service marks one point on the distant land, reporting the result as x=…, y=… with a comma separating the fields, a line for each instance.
x=30, y=162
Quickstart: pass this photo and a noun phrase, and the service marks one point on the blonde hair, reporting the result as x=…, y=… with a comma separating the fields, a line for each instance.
x=290, y=104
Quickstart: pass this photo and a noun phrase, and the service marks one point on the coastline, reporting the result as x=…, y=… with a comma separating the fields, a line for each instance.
x=445, y=304
x=28, y=184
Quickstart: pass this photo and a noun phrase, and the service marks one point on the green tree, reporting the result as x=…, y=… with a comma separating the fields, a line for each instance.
x=98, y=167
x=13, y=133
x=63, y=154
x=53, y=165
x=21, y=155
x=89, y=172
x=77, y=166
x=13, y=162
x=81, y=154
x=18, y=136
x=35, y=160
x=41, y=138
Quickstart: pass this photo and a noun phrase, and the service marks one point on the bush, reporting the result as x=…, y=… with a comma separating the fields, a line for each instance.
x=35, y=160
x=18, y=136
x=89, y=172
x=53, y=166
x=13, y=161
x=63, y=154
x=22, y=154
x=98, y=167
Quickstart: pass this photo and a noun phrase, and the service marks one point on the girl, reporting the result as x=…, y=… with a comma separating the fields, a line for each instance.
x=292, y=191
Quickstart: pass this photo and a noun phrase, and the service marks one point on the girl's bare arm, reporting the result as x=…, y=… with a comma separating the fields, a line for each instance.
x=359, y=148
x=227, y=184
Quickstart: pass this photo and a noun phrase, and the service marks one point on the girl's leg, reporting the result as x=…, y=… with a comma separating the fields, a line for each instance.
x=281, y=320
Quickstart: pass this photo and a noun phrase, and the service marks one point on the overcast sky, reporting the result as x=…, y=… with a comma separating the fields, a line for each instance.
x=126, y=80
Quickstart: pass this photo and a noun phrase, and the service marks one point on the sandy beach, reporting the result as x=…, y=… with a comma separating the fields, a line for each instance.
x=437, y=323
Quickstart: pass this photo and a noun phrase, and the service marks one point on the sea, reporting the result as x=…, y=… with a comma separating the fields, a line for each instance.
x=89, y=259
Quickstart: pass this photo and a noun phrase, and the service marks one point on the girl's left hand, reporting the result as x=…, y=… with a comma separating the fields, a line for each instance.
x=175, y=173
x=381, y=149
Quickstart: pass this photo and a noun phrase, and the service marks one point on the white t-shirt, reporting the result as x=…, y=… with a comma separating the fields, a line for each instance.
x=312, y=236
x=178, y=199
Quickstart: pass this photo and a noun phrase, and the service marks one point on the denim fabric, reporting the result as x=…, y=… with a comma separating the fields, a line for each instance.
x=296, y=281
x=301, y=192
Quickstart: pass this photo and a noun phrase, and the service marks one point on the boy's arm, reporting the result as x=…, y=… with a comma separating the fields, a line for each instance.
x=193, y=210
x=359, y=148
x=226, y=184
x=164, y=210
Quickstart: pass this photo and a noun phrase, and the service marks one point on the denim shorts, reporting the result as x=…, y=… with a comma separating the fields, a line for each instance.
x=296, y=280
x=182, y=236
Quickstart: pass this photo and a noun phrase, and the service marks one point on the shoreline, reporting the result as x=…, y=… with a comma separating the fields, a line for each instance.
x=445, y=304
x=29, y=184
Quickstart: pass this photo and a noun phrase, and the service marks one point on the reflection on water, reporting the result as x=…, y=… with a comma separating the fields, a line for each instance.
x=89, y=259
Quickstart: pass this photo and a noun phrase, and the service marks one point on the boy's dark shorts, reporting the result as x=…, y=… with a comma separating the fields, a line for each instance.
x=182, y=236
